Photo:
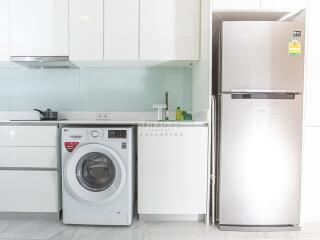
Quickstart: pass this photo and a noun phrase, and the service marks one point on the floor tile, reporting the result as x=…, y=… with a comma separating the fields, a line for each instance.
x=67, y=234
x=177, y=230
x=48, y=230
x=4, y=224
x=277, y=235
x=55, y=230
x=310, y=230
x=22, y=229
x=138, y=231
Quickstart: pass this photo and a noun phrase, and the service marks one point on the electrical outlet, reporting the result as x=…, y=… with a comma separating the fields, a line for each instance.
x=103, y=116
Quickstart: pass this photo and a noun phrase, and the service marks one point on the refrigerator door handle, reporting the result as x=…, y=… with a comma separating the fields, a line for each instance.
x=285, y=96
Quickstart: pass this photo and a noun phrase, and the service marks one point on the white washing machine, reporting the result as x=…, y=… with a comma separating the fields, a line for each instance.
x=97, y=175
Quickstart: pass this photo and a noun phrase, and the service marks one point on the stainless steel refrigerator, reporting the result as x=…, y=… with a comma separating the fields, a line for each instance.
x=258, y=84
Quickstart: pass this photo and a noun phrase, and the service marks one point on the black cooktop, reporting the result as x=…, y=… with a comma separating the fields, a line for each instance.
x=36, y=120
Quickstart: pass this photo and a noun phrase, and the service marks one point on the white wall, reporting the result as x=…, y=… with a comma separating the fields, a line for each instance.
x=311, y=160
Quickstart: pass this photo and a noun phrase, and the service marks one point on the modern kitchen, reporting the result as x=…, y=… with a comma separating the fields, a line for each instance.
x=159, y=119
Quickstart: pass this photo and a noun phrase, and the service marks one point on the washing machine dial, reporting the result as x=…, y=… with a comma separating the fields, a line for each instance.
x=94, y=133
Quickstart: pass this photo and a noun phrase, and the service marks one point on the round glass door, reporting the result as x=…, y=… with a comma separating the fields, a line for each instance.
x=95, y=171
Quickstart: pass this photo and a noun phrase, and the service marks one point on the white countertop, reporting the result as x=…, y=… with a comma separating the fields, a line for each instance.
x=89, y=118
x=102, y=122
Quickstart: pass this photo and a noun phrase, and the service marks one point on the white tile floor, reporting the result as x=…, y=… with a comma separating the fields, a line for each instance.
x=55, y=230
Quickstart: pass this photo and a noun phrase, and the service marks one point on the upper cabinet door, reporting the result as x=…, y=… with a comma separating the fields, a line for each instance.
x=236, y=4
x=86, y=29
x=169, y=29
x=121, y=29
x=39, y=27
x=283, y=4
x=4, y=30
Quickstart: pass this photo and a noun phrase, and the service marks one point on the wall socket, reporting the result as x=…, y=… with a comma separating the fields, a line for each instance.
x=103, y=116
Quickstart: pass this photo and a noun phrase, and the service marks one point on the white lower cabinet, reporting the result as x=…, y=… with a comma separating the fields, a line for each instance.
x=172, y=170
x=29, y=169
x=28, y=136
x=29, y=157
x=28, y=191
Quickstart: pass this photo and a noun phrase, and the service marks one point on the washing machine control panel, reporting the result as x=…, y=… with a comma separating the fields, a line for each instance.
x=95, y=134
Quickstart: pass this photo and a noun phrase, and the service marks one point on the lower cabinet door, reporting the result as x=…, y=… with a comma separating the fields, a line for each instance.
x=28, y=191
x=172, y=170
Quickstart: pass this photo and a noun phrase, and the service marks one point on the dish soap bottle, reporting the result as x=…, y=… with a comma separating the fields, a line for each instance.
x=178, y=114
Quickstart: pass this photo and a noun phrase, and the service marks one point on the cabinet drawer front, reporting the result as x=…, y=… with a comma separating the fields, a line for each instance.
x=28, y=191
x=28, y=157
x=28, y=136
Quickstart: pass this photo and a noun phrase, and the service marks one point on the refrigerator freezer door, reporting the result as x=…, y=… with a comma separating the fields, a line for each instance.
x=256, y=56
x=260, y=165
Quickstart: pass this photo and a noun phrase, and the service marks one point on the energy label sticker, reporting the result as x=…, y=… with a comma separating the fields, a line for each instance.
x=294, y=48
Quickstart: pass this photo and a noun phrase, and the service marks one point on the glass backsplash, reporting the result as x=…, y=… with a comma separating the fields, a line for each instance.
x=95, y=89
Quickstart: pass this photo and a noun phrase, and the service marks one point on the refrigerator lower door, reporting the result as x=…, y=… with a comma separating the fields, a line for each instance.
x=260, y=159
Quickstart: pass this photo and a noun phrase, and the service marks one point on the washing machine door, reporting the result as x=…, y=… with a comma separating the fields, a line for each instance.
x=94, y=173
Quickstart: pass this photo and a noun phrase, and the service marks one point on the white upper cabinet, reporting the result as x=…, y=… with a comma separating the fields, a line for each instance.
x=283, y=4
x=121, y=29
x=86, y=29
x=4, y=31
x=169, y=29
x=235, y=4
x=39, y=27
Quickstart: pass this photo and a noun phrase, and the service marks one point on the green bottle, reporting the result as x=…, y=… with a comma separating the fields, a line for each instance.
x=178, y=114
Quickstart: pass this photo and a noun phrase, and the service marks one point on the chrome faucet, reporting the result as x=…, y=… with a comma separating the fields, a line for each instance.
x=161, y=111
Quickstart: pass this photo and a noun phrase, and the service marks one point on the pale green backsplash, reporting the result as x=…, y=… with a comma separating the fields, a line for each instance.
x=95, y=89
